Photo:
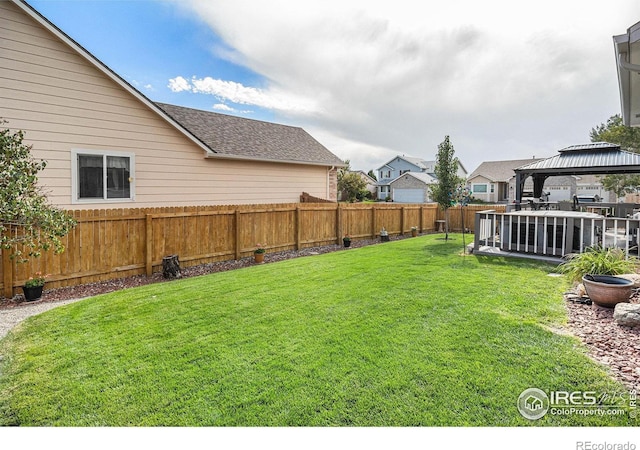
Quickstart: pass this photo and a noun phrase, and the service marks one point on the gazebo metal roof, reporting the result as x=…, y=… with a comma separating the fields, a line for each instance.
x=600, y=158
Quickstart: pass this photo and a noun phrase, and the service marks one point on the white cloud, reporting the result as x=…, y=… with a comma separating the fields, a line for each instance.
x=179, y=84
x=243, y=95
x=501, y=78
x=226, y=108
x=223, y=107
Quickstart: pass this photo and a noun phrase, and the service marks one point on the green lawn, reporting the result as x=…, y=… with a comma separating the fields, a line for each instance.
x=399, y=334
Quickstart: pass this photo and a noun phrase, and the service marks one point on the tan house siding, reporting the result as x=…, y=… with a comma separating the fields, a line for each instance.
x=488, y=196
x=64, y=103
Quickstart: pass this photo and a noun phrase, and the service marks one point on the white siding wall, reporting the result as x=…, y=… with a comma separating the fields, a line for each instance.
x=62, y=103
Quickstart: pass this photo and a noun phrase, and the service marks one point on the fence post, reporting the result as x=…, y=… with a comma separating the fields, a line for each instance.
x=373, y=221
x=237, y=224
x=149, y=244
x=338, y=224
x=402, y=220
x=421, y=218
x=7, y=269
x=298, y=228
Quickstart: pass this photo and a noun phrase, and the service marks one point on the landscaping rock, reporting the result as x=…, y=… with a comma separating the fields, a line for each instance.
x=608, y=343
x=627, y=314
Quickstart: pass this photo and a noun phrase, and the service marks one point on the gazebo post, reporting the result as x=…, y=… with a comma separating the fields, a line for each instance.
x=520, y=178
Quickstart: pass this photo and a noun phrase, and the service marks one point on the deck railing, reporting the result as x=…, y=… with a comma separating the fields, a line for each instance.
x=554, y=234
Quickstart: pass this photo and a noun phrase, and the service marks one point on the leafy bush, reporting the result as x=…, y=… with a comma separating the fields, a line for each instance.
x=598, y=261
x=26, y=217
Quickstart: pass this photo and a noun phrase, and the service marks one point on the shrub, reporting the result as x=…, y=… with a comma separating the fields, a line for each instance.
x=598, y=261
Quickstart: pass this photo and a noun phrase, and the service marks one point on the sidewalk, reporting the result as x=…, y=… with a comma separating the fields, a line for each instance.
x=10, y=317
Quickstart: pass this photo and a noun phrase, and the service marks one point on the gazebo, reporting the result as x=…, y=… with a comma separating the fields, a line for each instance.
x=599, y=158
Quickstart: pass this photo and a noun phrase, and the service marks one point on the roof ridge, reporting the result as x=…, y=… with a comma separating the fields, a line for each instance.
x=205, y=111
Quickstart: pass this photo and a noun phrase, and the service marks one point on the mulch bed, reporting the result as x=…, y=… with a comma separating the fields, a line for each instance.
x=616, y=346
x=102, y=287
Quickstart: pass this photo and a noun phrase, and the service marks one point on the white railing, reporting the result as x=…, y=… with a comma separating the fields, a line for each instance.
x=554, y=233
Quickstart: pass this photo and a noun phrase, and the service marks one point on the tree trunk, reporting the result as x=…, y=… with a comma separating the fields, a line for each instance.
x=171, y=267
x=446, y=224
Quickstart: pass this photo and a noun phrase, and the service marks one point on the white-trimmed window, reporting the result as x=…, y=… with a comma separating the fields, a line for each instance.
x=479, y=188
x=102, y=176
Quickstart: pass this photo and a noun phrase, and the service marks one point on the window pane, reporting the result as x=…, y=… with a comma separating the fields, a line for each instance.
x=90, y=174
x=118, y=174
x=480, y=188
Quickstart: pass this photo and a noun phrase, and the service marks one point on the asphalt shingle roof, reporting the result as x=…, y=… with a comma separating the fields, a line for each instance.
x=251, y=139
x=424, y=177
x=500, y=171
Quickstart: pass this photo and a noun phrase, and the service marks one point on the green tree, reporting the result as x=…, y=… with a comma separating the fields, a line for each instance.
x=448, y=181
x=26, y=217
x=372, y=174
x=628, y=138
x=350, y=184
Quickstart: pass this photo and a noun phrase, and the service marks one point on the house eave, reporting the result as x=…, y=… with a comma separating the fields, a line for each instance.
x=211, y=155
x=627, y=48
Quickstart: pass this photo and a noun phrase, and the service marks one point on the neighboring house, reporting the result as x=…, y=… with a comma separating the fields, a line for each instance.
x=412, y=187
x=565, y=187
x=407, y=189
x=490, y=181
x=108, y=145
x=590, y=186
x=494, y=182
x=371, y=184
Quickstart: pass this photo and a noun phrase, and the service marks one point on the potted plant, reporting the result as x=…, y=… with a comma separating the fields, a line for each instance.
x=33, y=286
x=258, y=253
x=597, y=268
x=384, y=235
x=414, y=231
x=346, y=240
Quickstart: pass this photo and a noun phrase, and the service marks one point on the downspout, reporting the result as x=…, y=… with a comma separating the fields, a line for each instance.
x=628, y=66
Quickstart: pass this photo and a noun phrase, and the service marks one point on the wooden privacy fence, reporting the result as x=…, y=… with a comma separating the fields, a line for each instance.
x=117, y=243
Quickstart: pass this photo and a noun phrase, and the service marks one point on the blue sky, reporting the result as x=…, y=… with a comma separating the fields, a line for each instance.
x=370, y=79
x=149, y=42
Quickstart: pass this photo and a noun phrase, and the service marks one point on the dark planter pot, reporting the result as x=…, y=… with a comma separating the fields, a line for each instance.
x=414, y=233
x=607, y=290
x=384, y=238
x=32, y=293
x=346, y=243
x=258, y=257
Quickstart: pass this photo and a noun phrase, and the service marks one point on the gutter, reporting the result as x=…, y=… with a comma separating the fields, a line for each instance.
x=270, y=160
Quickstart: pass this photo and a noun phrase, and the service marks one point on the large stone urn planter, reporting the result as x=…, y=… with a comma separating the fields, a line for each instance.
x=607, y=290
